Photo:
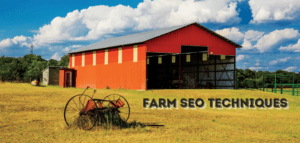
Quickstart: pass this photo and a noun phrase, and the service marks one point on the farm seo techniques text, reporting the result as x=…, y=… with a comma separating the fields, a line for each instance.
x=218, y=103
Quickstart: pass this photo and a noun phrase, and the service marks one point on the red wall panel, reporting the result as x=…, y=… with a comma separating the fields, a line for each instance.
x=127, y=54
x=127, y=75
x=61, y=77
x=78, y=59
x=113, y=55
x=100, y=57
x=192, y=36
x=88, y=58
x=70, y=60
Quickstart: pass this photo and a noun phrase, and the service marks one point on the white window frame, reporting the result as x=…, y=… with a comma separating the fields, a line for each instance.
x=148, y=61
x=94, y=58
x=188, y=58
x=83, y=59
x=159, y=60
x=135, y=53
x=173, y=59
x=204, y=57
x=120, y=55
x=106, y=57
x=73, y=60
x=223, y=57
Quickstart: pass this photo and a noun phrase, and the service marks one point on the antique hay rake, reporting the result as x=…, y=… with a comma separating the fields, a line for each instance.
x=85, y=112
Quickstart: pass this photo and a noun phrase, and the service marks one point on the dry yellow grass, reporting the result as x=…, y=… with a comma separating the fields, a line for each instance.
x=35, y=114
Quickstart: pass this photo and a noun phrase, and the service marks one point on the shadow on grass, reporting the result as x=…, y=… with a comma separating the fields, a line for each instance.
x=108, y=122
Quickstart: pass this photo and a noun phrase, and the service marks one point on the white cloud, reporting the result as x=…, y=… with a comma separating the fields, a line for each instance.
x=255, y=68
x=247, y=45
x=67, y=49
x=252, y=35
x=294, y=48
x=56, y=56
x=257, y=62
x=274, y=62
x=96, y=22
x=290, y=69
x=16, y=40
x=241, y=57
x=267, y=41
x=5, y=43
x=231, y=33
x=19, y=39
x=263, y=10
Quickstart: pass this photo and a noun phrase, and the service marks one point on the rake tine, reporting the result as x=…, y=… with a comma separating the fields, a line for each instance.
x=93, y=94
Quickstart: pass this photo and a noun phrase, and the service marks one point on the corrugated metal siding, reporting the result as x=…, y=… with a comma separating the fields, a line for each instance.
x=53, y=76
x=127, y=75
x=191, y=35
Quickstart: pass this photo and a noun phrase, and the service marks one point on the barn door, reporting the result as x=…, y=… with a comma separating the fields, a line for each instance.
x=68, y=79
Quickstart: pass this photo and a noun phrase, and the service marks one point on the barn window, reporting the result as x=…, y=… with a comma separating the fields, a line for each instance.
x=148, y=61
x=223, y=57
x=120, y=55
x=204, y=57
x=159, y=60
x=73, y=60
x=135, y=53
x=188, y=58
x=94, y=58
x=83, y=59
x=106, y=57
x=173, y=59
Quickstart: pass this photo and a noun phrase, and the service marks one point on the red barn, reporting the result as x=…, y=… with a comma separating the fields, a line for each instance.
x=186, y=56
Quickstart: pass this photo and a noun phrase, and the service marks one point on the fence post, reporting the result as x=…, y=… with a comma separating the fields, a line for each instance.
x=275, y=84
x=281, y=83
x=263, y=82
x=293, y=85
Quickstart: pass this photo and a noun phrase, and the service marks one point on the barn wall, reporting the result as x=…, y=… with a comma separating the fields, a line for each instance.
x=61, y=78
x=127, y=75
x=191, y=35
x=53, y=76
x=46, y=76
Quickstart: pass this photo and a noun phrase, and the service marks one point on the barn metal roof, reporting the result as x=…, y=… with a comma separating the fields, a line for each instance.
x=141, y=37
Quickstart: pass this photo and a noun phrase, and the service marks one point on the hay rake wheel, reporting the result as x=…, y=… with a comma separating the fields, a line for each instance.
x=123, y=112
x=85, y=112
x=75, y=115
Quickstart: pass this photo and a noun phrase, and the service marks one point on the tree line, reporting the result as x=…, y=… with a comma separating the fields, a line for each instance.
x=254, y=79
x=30, y=67
x=27, y=67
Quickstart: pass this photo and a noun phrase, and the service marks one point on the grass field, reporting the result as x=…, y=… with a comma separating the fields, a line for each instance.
x=35, y=114
x=288, y=91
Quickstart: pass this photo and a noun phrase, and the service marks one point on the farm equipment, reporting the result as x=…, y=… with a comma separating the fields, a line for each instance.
x=85, y=112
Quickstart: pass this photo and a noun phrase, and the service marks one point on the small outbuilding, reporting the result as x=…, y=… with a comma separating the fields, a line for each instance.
x=182, y=57
x=51, y=75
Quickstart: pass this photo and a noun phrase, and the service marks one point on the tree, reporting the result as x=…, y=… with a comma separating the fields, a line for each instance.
x=52, y=62
x=64, y=61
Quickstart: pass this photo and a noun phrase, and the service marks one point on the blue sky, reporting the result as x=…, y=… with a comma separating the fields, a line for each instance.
x=268, y=30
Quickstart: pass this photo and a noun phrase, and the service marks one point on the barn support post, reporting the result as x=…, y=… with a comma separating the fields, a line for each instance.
x=234, y=73
x=215, y=72
x=197, y=78
x=207, y=71
x=179, y=82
